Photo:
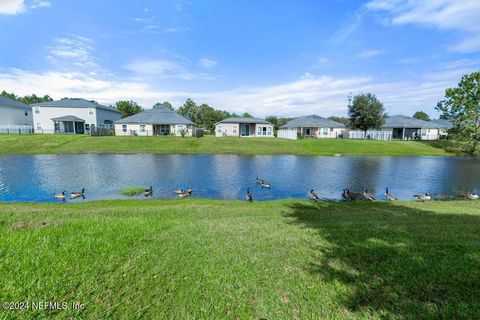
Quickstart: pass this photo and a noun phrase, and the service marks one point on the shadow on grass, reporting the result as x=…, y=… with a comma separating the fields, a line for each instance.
x=397, y=261
x=450, y=146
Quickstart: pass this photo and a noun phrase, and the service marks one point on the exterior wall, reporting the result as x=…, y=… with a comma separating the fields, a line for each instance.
x=103, y=115
x=15, y=116
x=430, y=134
x=387, y=134
x=233, y=130
x=44, y=118
x=227, y=129
x=134, y=129
x=290, y=133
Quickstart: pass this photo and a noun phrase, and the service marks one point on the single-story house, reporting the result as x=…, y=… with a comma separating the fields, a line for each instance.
x=443, y=126
x=75, y=116
x=14, y=116
x=311, y=126
x=401, y=127
x=244, y=127
x=158, y=121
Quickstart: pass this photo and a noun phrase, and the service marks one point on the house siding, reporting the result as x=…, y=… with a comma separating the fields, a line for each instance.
x=13, y=116
x=227, y=129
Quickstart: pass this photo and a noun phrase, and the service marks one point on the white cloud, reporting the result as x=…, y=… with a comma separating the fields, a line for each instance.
x=461, y=16
x=12, y=7
x=369, y=53
x=207, y=63
x=40, y=4
x=347, y=28
x=75, y=50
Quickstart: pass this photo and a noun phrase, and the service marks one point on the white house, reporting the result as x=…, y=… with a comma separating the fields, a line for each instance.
x=311, y=126
x=401, y=127
x=74, y=116
x=244, y=127
x=158, y=121
x=14, y=116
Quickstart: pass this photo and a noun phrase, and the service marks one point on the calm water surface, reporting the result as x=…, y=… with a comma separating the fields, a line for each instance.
x=37, y=178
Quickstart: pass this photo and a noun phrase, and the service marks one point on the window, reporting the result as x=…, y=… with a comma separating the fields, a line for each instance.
x=269, y=131
x=57, y=126
x=142, y=128
x=325, y=131
x=87, y=127
x=39, y=126
x=219, y=129
x=264, y=131
x=26, y=113
x=37, y=110
x=91, y=111
x=234, y=129
x=180, y=127
x=124, y=127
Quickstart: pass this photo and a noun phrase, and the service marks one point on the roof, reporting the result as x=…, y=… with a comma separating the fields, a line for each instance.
x=442, y=123
x=157, y=115
x=68, y=118
x=244, y=120
x=312, y=121
x=401, y=121
x=12, y=103
x=75, y=103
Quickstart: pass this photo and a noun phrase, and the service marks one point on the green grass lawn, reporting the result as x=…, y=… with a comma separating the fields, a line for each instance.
x=203, y=259
x=45, y=144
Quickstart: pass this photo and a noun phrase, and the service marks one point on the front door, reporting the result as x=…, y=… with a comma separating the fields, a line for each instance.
x=245, y=130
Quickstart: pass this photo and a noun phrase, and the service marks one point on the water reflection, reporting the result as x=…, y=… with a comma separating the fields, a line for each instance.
x=39, y=177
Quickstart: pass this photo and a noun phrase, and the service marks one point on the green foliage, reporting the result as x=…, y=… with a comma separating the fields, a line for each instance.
x=203, y=115
x=366, y=112
x=421, y=116
x=28, y=99
x=462, y=107
x=165, y=104
x=277, y=122
x=132, y=191
x=247, y=115
x=128, y=108
x=344, y=120
x=183, y=132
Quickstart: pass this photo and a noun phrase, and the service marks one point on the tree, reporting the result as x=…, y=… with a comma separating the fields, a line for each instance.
x=8, y=95
x=421, y=115
x=128, y=108
x=344, y=120
x=165, y=104
x=462, y=107
x=190, y=110
x=366, y=112
x=247, y=115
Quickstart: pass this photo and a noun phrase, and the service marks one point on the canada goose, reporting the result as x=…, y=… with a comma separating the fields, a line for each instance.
x=389, y=196
x=265, y=184
x=61, y=196
x=368, y=195
x=184, y=194
x=423, y=197
x=313, y=195
x=189, y=190
x=350, y=196
x=178, y=191
x=471, y=196
x=148, y=192
x=249, y=195
x=75, y=195
x=260, y=181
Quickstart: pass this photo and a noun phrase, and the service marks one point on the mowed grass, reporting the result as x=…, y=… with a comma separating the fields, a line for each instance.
x=47, y=144
x=132, y=191
x=204, y=259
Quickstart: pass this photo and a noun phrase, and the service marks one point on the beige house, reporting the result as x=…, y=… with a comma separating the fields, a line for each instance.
x=312, y=126
x=244, y=127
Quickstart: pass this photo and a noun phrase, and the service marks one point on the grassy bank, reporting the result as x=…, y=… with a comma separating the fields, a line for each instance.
x=233, y=260
x=45, y=144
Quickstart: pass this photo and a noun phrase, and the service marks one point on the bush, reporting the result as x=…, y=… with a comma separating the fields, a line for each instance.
x=132, y=191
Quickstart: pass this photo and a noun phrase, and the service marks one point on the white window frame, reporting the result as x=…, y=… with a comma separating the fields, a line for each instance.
x=91, y=111
x=142, y=128
x=269, y=131
x=124, y=128
x=234, y=129
x=180, y=127
x=39, y=126
x=37, y=109
x=219, y=129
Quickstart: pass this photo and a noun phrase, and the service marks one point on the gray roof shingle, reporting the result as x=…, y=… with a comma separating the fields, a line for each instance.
x=75, y=103
x=157, y=115
x=401, y=121
x=243, y=120
x=312, y=121
x=442, y=123
x=12, y=103
x=68, y=118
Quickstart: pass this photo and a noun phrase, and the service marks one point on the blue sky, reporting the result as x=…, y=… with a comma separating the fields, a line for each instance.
x=286, y=58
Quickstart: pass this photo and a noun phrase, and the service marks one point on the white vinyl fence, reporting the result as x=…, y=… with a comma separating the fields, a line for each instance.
x=370, y=135
x=12, y=129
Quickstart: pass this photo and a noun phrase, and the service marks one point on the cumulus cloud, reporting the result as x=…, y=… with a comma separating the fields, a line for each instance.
x=40, y=4
x=12, y=7
x=76, y=50
x=461, y=16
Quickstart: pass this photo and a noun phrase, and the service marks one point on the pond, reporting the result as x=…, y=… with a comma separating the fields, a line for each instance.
x=37, y=178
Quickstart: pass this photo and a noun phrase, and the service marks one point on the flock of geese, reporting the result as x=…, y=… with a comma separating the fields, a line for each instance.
x=347, y=195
